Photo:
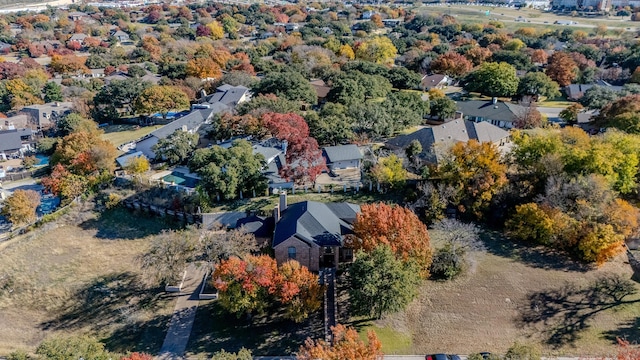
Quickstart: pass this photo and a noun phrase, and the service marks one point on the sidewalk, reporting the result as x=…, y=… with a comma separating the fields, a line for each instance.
x=175, y=342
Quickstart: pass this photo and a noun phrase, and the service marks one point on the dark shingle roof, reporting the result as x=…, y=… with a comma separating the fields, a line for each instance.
x=10, y=140
x=342, y=153
x=316, y=223
x=486, y=109
x=189, y=122
x=228, y=95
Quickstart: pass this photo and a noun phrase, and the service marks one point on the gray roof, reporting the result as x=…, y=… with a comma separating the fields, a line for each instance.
x=227, y=219
x=342, y=153
x=228, y=95
x=576, y=91
x=10, y=140
x=486, y=109
x=122, y=160
x=78, y=37
x=269, y=152
x=450, y=133
x=322, y=224
x=189, y=122
x=120, y=33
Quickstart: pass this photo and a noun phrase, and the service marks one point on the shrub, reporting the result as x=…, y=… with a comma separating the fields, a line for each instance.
x=447, y=263
x=519, y=351
x=113, y=201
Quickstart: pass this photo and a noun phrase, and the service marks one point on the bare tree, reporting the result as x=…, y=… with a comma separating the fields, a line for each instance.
x=168, y=256
x=219, y=244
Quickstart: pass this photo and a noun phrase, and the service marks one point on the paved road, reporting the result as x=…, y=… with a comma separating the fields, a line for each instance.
x=175, y=342
x=24, y=184
x=552, y=113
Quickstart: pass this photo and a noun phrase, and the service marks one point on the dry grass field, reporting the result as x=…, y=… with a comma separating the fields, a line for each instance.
x=78, y=275
x=516, y=293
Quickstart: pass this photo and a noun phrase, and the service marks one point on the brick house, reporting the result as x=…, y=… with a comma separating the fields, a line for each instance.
x=312, y=233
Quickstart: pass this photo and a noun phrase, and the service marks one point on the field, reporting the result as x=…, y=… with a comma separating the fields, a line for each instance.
x=516, y=293
x=537, y=19
x=122, y=134
x=79, y=276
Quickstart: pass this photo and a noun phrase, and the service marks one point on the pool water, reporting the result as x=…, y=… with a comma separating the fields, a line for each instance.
x=42, y=160
x=179, y=178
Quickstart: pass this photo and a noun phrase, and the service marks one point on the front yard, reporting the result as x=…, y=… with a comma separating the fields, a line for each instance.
x=515, y=293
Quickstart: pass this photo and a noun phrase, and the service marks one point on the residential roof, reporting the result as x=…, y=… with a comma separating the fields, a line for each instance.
x=576, y=91
x=228, y=95
x=450, y=133
x=261, y=227
x=320, y=224
x=122, y=160
x=49, y=107
x=269, y=153
x=120, y=33
x=486, y=109
x=227, y=219
x=78, y=37
x=321, y=88
x=10, y=140
x=342, y=153
x=430, y=81
x=188, y=122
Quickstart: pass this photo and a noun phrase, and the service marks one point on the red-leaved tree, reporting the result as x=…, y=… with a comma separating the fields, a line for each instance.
x=346, y=345
x=304, y=158
x=137, y=356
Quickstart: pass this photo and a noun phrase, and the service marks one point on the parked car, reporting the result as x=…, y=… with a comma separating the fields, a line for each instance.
x=442, y=357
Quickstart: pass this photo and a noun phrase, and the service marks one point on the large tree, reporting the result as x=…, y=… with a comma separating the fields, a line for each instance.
x=381, y=283
x=331, y=125
x=85, y=153
x=117, y=96
x=290, y=85
x=538, y=84
x=304, y=158
x=395, y=226
x=161, y=99
x=477, y=172
x=561, y=68
x=623, y=114
x=598, y=97
x=451, y=64
x=390, y=171
x=20, y=208
x=177, y=147
x=346, y=345
x=229, y=171
x=378, y=49
x=167, y=257
x=494, y=79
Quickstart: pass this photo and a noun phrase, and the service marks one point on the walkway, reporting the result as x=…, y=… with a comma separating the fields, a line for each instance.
x=329, y=301
x=175, y=343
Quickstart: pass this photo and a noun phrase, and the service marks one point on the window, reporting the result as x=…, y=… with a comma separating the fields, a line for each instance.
x=292, y=252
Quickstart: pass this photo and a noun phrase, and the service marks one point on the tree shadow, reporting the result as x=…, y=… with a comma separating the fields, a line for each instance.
x=562, y=314
x=629, y=330
x=122, y=224
x=269, y=334
x=119, y=301
x=535, y=256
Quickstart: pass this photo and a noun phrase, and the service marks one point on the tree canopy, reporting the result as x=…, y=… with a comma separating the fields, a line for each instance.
x=494, y=79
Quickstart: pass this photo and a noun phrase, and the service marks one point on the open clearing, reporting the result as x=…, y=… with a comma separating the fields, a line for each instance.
x=516, y=293
x=78, y=275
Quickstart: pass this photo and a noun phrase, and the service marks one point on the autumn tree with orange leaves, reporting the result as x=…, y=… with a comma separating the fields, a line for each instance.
x=346, y=345
x=254, y=283
x=137, y=356
x=561, y=68
x=396, y=226
x=451, y=64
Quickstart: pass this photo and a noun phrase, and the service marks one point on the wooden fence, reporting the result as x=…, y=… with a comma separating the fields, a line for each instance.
x=39, y=172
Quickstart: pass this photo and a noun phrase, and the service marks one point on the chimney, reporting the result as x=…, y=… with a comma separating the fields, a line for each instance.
x=276, y=214
x=283, y=201
x=494, y=100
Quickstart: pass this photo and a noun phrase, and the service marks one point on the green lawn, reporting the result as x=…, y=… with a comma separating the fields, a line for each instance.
x=122, y=134
x=393, y=341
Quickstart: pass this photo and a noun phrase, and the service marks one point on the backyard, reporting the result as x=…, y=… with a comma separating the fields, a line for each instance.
x=79, y=275
x=122, y=134
x=517, y=293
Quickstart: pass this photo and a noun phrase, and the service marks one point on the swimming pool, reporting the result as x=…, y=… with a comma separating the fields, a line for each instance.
x=42, y=160
x=178, y=178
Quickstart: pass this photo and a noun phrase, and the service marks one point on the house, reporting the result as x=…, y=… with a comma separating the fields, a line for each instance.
x=576, y=91
x=436, y=140
x=313, y=233
x=392, y=22
x=435, y=81
x=4, y=47
x=291, y=27
x=273, y=151
x=124, y=159
x=77, y=15
x=228, y=95
x=79, y=38
x=367, y=15
x=14, y=143
x=498, y=113
x=342, y=157
x=190, y=123
x=120, y=36
x=20, y=121
x=322, y=90
x=46, y=115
